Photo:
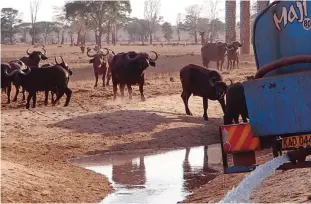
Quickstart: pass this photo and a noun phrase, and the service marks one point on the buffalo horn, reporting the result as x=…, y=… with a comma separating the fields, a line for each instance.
x=25, y=73
x=55, y=60
x=88, y=53
x=45, y=52
x=156, y=57
x=27, y=51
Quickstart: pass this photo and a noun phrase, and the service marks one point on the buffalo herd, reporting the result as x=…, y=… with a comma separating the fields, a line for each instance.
x=127, y=69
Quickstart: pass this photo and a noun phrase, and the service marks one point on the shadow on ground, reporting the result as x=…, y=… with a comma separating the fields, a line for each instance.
x=122, y=123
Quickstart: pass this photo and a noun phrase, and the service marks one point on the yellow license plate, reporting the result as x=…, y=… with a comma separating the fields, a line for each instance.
x=296, y=141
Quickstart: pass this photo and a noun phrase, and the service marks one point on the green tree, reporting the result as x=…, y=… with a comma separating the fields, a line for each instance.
x=101, y=16
x=167, y=31
x=9, y=19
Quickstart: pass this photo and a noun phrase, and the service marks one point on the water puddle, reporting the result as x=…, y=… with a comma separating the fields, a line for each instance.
x=165, y=176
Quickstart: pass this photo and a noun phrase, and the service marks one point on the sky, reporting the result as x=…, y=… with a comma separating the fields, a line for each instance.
x=169, y=8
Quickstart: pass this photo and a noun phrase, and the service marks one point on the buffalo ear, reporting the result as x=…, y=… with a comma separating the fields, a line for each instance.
x=151, y=63
x=91, y=61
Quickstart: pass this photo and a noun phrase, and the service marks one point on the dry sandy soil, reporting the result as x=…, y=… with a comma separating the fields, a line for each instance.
x=37, y=143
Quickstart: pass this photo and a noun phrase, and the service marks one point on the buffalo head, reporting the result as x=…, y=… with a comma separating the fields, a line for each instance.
x=64, y=65
x=143, y=58
x=220, y=88
x=98, y=57
x=236, y=44
x=37, y=55
x=18, y=73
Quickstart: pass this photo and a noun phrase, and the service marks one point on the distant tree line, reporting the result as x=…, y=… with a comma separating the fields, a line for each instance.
x=77, y=19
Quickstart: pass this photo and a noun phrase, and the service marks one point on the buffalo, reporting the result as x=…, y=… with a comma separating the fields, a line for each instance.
x=45, y=79
x=233, y=54
x=64, y=65
x=101, y=64
x=235, y=104
x=214, y=52
x=202, y=82
x=128, y=69
x=33, y=59
x=6, y=81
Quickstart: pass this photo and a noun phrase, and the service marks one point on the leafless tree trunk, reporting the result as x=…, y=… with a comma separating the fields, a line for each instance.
x=63, y=36
x=178, y=21
x=34, y=7
x=245, y=25
x=151, y=13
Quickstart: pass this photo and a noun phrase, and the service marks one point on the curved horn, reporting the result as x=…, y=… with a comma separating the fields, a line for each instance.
x=106, y=52
x=55, y=60
x=231, y=82
x=134, y=58
x=155, y=57
x=88, y=54
x=112, y=51
x=27, y=51
x=11, y=74
x=25, y=73
x=62, y=59
x=45, y=52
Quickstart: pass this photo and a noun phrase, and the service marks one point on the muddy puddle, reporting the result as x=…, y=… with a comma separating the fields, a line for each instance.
x=163, y=176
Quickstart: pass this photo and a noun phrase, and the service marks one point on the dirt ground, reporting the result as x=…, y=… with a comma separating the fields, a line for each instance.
x=36, y=143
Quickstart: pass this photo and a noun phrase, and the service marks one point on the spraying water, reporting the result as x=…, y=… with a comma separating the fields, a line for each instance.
x=242, y=193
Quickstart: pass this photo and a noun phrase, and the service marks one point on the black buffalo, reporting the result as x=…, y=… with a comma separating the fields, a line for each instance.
x=6, y=81
x=202, y=82
x=128, y=69
x=64, y=65
x=235, y=104
x=45, y=79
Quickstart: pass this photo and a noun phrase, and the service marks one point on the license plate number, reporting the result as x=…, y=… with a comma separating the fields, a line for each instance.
x=296, y=141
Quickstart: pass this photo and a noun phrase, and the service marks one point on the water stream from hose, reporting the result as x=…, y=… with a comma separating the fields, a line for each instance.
x=241, y=194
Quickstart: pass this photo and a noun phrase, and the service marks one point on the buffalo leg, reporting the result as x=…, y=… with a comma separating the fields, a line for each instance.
x=52, y=96
x=34, y=99
x=115, y=89
x=30, y=95
x=218, y=68
x=60, y=94
x=68, y=93
x=141, y=90
x=16, y=93
x=205, y=106
x=122, y=90
x=207, y=62
x=185, y=97
x=9, y=93
x=108, y=76
x=96, y=80
x=244, y=118
x=237, y=62
x=46, y=98
x=23, y=91
x=228, y=64
x=223, y=105
x=236, y=119
x=103, y=78
x=222, y=63
x=129, y=88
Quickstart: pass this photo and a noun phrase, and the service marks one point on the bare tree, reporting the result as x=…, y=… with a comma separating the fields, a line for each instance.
x=34, y=7
x=213, y=10
x=191, y=22
x=151, y=13
x=178, y=25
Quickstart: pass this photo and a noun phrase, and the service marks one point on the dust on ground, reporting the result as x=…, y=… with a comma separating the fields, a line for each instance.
x=37, y=143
